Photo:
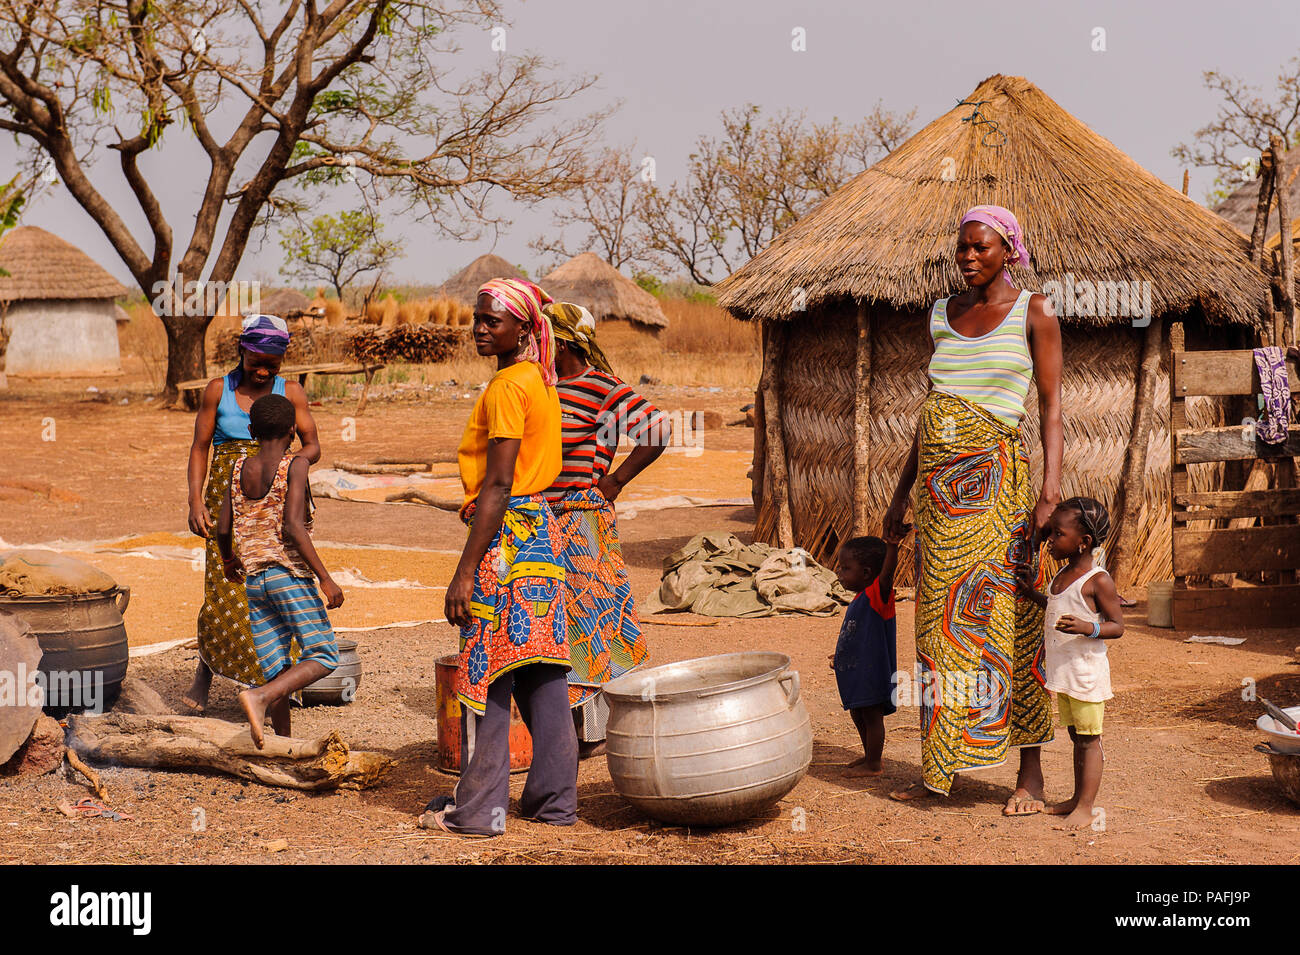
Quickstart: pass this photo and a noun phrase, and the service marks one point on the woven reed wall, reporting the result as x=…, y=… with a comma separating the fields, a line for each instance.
x=1097, y=393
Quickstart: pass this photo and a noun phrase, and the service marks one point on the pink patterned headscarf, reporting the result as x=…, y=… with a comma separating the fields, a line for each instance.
x=524, y=301
x=1004, y=223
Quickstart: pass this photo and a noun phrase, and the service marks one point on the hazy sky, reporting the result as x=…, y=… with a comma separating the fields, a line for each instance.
x=676, y=63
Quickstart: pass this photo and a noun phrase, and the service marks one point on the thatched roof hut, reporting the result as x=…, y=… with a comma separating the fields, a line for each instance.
x=283, y=303
x=464, y=285
x=610, y=296
x=58, y=310
x=852, y=283
x=1240, y=206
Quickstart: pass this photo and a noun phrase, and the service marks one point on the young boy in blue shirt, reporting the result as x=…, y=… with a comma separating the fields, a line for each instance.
x=865, y=660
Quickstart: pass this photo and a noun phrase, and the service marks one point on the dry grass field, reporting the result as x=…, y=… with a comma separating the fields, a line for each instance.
x=703, y=346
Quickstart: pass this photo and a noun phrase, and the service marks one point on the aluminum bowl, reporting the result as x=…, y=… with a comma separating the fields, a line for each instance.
x=1281, y=738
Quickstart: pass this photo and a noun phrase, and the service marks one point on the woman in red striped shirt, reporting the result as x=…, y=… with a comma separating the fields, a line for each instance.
x=597, y=409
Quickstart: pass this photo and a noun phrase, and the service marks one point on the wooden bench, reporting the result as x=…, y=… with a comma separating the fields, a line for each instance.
x=1255, y=527
x=302, y=371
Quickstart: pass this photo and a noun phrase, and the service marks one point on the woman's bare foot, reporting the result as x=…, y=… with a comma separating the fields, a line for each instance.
x=1081, y=818
x=1061, y=808
x=196, y=697
x=914, y=791
x=862, y=767
x=255, y=710
x=1023, y=803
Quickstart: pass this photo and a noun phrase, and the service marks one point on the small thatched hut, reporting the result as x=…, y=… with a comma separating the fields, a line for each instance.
x=844, y=293
x=56, y=308
x=284, y=303
x=464, y=285
x=624, y=310
x=226, y=321
x=1240, y=207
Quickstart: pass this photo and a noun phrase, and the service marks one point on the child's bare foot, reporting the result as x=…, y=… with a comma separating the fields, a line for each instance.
x=862, y=767
x=914, y=791
x=1081, y=818
x=255, y=710
x=1023, y=803
x=1061, y=808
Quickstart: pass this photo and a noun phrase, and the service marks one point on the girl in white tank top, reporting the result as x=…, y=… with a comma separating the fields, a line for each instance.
x=1083, y=610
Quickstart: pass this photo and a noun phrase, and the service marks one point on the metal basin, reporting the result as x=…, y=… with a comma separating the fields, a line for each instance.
x=1286, y=770
x=84, y=643
x=710, y=741
x=1282, y=739
x=338, y=687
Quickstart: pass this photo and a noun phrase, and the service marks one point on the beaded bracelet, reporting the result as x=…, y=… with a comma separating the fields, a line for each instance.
x=1096, y=630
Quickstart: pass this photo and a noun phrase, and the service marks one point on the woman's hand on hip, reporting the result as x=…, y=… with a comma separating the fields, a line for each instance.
x=456, y=604
x=609, y=487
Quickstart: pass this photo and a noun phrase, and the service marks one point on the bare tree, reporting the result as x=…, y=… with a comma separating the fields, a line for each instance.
x=1232, y=144
x=610, y=207
x=354, y=92
x=751, y=182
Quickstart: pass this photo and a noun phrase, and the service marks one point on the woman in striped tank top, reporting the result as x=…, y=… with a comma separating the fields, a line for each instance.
x=978, y=517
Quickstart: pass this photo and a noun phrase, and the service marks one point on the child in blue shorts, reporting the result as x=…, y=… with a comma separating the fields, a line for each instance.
x=865, y=660
x=265, y=520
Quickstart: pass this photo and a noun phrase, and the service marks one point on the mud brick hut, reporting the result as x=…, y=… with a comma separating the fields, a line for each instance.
x=843, y=296
x=464, y=285
x=57, y=309
x=624, y=312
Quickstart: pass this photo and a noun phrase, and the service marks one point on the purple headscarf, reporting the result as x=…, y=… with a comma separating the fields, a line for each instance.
x=1004, y=223
x=265, y=335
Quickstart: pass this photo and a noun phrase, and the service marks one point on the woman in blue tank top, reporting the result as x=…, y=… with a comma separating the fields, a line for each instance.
x=225, y=640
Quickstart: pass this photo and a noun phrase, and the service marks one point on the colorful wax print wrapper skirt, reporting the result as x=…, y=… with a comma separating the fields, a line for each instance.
x=518, y=601
x=605, y=639
x=979, y=648
x=225, y=635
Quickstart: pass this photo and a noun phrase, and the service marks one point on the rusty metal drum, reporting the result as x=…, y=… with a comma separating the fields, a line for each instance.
x=710, y=741
x=449, y=723
x=84, y=641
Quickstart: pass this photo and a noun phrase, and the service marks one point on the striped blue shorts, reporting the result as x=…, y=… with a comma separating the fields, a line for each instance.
x=283, y=608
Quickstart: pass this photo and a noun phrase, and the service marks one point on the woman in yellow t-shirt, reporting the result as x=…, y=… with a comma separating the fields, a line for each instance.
x=507, y=595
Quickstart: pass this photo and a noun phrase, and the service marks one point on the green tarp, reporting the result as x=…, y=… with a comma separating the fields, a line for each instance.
x=717, y=575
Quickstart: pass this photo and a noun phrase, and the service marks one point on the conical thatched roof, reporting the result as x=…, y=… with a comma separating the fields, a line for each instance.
x=282, y=303
x=1087, y=210
x=590, y=281
x=43, y=266
x=1239, y=208
x=464, y=285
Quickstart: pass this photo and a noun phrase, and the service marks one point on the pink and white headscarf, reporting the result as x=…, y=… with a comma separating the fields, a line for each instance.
x=1004, y=223
x=524, y=301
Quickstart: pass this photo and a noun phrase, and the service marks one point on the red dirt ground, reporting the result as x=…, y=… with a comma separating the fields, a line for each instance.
x=1182, y=782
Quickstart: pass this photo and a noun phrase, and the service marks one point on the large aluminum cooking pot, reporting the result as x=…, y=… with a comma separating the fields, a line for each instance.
x=710, y=741
x=85, y=646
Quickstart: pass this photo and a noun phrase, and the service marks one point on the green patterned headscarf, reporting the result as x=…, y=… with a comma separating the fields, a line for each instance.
x=573, y=324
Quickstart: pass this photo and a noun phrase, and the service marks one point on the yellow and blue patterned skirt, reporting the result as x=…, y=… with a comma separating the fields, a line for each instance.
x=979, y=648
x=518, y=602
